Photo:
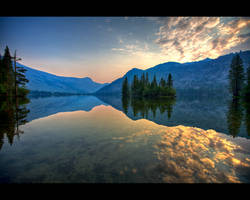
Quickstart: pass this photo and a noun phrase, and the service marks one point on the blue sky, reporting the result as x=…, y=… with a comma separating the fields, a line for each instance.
x=105, y=48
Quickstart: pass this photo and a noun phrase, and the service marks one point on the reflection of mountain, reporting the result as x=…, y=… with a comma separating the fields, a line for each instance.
x=189, y=110
x=43, y=107
x=205, y=112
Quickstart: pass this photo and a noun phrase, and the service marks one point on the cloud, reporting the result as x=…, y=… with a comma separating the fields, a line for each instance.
x=140, y=54
x=186, y=39
x=188, y=154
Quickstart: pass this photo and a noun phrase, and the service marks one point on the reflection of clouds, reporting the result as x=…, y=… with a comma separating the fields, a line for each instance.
x=206, y=156
x=136, y=136
x=188, y=154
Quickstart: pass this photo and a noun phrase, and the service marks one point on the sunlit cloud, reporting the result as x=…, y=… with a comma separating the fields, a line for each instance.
x=90, y=44
x=186, y=39
x=188, y=154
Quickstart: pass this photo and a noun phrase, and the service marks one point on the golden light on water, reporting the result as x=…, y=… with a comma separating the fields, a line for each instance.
x=178, y=154
x=189, y=154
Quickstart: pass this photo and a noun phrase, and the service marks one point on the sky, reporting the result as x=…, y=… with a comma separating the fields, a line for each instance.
x=105, y=48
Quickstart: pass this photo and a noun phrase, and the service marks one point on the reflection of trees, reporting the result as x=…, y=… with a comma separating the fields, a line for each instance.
x=234, y=117
x=142, y=106
x=236, y=110
x=247, y=116
x=125, y=104
x=12, y=115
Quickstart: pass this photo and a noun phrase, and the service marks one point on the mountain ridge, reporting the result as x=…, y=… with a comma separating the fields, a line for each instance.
x=208, y=73
x=44, y=81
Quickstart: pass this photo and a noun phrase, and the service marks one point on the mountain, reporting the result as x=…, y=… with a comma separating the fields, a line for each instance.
x=43, y=81
x=209, y=74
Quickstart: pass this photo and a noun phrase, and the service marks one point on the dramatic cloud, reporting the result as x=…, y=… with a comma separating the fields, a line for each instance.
x=186, y=39
x=189, y=155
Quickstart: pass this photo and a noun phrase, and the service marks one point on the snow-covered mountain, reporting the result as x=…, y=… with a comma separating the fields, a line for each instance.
x=209, y=74
x=43, y=81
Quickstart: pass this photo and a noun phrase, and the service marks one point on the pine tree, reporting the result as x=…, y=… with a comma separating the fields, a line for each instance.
x=8, y=79
x=170, y=81
x=125, y=88
x=134, y=86
x=154, y=83
x=162, y=83
x=147, y=80
x=236, y=76
x=143, y=80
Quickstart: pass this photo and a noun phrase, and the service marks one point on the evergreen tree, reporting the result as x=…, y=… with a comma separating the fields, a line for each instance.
x=154, y=83
x=125, y=88
x=7, y=74
x=170, y=81
x=162, y=83
x=134, y=86
x=236, y=76
x=143, y=80
x=162, y=86
x=142, y=88
x=154, y=90
x=147, y=80
x=21, y=81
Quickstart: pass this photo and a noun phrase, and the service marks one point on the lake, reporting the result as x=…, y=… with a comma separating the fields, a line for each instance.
x=106, y=139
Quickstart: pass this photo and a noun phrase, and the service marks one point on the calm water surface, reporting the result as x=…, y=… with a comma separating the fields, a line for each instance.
x=87, y=139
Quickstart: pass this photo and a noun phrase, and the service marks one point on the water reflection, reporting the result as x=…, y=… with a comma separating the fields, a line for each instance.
x=142, y=107
x=188, y=110
x=234, y=117
x=247, y=116
x=189, y=155
x=12, y=114
x=46, y=106
x=104, y=145
x=101, y=144
x=203, y=111
x=238, y=113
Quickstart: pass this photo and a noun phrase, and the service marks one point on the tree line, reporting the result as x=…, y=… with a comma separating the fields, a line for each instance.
x=144, y=88
x=12, y=78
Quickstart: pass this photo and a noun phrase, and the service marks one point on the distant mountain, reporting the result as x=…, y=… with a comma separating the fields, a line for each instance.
x=211, y=74
x=43, y=81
